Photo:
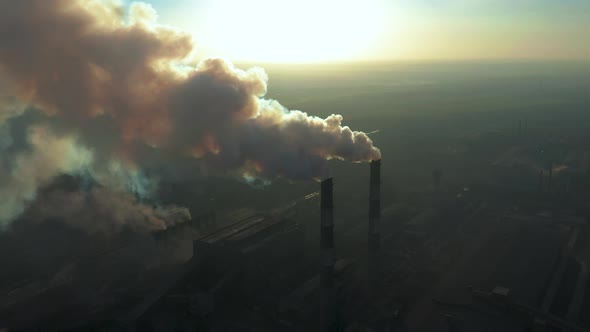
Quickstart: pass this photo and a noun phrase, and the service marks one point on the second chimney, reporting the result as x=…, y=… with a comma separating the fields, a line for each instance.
x=327, y=301
x=374, y=219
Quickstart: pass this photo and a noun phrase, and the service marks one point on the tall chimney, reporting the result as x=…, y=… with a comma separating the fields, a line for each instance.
x=374, y=220
x=541, y=175
x=327, y=300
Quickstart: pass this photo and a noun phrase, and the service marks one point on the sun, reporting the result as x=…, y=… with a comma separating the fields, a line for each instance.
x=294, y=30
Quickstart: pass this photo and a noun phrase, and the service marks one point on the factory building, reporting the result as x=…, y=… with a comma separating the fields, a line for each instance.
x=257, y=266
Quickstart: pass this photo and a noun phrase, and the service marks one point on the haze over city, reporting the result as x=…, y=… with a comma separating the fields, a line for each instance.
x=326, y=31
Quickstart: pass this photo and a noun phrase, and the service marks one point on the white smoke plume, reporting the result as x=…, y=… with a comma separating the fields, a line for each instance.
x=104, y=211
x=48, y=157
x=115, y=83
x=107, y=208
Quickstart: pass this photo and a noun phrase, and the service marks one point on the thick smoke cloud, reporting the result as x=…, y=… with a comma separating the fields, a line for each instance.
x=114, y=84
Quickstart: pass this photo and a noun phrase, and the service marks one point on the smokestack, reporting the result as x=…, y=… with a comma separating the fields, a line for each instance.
x=374, y=220
x=327, y=309
x=541, y=181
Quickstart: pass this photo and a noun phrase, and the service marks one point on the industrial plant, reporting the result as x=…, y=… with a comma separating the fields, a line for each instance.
x=150, y=184
x=462, y=258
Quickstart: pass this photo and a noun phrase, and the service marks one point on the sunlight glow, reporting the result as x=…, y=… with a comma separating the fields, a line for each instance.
x=294, y=31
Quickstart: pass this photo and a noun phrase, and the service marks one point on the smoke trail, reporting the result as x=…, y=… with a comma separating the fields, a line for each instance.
x=102, y=210
x=49, y=156
x=117, y=84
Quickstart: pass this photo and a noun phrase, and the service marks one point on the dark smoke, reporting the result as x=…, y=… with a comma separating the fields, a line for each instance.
x=113, y=83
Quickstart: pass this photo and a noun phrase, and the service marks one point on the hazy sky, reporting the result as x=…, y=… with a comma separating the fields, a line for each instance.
x=328, y=30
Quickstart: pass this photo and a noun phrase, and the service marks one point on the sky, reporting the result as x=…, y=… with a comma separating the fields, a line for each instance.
x=344, y=30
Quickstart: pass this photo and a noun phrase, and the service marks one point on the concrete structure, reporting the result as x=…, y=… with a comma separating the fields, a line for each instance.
x=225, y=267
x=374, y=239
x=327, y=296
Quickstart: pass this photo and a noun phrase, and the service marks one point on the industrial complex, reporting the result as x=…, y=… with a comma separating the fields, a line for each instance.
x=508, y=253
